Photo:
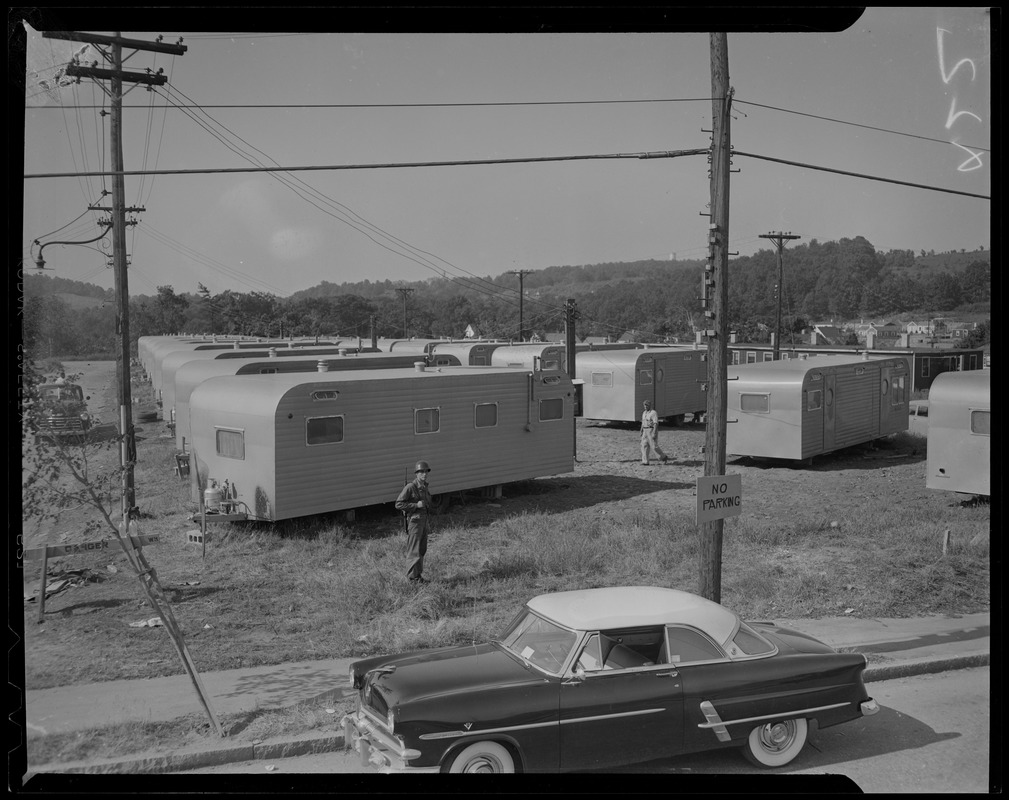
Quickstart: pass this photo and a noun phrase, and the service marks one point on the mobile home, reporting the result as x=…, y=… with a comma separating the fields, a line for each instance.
x=959, y=433
x=615, y=383
x=174, y=361
x=545, y=356
x=193, y=373
x=476, y=354
x=801, y=408
x=292, y=445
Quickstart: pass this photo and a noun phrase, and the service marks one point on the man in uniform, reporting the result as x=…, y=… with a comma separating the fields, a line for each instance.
x=415, y=503
x=650, y=434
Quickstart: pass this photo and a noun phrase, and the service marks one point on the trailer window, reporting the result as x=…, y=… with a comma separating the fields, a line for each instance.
x=268, y=371
x=426, y=420
x=324, y=430
x=602, y=378
x=645, y=377
x=980, y=422
x=485, y=415
x=442, y=361
x=897, y=395
x=755, y=403
x=814, y=400
x=551, y=362
x=551, y=409
x=231, y=443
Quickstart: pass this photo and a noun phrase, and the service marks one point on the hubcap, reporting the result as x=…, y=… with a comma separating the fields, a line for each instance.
x=778, y=736
x=483, y=764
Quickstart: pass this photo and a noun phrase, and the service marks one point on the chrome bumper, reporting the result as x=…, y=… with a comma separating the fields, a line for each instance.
x=377, y=748
x=869, y=707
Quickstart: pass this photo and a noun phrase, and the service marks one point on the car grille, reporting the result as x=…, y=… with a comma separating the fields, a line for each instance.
x=64, y=424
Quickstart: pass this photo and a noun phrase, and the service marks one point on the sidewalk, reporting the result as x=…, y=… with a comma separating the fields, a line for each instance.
x=894, y=647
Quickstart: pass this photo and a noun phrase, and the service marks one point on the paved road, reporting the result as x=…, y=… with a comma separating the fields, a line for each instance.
x=932, y=735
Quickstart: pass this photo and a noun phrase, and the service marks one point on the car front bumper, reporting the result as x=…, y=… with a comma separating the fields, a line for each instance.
x=377, y=748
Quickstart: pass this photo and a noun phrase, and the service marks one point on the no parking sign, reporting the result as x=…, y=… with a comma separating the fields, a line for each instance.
x=718, y=497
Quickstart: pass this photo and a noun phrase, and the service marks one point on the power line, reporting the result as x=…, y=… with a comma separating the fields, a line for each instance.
x=389, y=165
x=860, y=175
x=855, y=124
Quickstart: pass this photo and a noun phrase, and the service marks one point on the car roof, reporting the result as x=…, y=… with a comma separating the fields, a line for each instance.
x=632, y=606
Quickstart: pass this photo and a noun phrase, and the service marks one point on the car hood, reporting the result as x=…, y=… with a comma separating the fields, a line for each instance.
x=793, y=641
x=454, y=670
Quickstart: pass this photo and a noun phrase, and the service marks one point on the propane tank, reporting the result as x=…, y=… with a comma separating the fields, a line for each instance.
x=212, y=496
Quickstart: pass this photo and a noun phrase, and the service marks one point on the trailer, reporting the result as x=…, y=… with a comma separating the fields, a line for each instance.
x=959, y=433
x=176, y=360
x=193, y=373
x=475, y=354
x=292, y=445
x=541, y=356
x=802, y=408
x=163, y=350
x=615, y=383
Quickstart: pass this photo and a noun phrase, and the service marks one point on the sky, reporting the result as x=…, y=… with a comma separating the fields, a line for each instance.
x=902, y=94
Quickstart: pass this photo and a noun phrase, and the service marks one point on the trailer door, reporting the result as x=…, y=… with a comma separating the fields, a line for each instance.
x=829, y=434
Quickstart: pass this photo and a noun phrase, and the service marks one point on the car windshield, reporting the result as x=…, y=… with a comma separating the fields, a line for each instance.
x=539, y=642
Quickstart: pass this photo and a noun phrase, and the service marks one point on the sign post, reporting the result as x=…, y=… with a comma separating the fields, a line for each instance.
x=718, y=497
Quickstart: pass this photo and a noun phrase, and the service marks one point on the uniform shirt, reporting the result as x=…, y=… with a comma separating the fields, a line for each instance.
x=650, y=419
x=413, y=493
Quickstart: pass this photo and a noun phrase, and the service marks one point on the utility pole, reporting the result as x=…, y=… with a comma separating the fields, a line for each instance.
x=405, y=293
x=779, y=242
x=570, y=315
x=716, y=302
x=112, y=49
x=521, y=273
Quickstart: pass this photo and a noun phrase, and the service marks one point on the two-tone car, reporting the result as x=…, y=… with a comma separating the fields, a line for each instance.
x=598, y=678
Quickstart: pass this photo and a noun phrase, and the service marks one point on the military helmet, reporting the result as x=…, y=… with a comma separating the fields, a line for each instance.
x=423, y=466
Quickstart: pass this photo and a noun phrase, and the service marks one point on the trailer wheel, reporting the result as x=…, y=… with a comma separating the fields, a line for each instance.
x=440, y=502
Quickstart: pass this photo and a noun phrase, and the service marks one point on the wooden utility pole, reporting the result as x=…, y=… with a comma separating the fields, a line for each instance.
x=716, y=291
x=779, y=242
x=570, y=315
x=521, y=273
x=111, y=48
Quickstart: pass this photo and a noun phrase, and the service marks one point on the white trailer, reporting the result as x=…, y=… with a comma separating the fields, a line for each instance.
x=615, y=383
x=959, y=433
x=193, y=373
x=801, y=408
x=474, y=354
x=292, y=445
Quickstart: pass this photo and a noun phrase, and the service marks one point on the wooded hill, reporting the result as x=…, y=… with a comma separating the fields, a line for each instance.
x=839, y=281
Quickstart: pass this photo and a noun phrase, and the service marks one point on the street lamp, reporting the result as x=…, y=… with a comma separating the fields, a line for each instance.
x=40, y=262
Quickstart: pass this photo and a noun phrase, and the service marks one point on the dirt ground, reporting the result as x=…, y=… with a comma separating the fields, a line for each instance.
x=612, y=480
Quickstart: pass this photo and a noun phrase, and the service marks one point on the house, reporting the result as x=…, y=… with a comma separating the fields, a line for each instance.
x=827, y=334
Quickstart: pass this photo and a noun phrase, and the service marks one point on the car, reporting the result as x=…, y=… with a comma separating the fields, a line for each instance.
x=596, y=678
x=63, y=410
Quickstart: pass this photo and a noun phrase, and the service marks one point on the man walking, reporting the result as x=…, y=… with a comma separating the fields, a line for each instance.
x=415, y=503
x=650, y=434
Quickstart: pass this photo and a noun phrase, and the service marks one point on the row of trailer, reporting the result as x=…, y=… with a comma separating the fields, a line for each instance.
x=293, y=428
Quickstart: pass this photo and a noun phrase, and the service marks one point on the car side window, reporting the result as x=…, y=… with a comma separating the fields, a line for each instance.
x=591, y=658
x=684, y=645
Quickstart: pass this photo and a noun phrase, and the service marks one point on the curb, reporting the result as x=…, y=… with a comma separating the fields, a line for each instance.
x=313, y=743
x=307, y=744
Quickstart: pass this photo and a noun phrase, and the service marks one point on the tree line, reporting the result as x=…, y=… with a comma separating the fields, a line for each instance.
x=653, y=300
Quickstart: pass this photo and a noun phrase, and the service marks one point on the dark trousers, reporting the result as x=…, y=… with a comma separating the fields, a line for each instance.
x=416, y=545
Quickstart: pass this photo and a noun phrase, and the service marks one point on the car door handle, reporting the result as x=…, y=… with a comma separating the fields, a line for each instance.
x=671, y=674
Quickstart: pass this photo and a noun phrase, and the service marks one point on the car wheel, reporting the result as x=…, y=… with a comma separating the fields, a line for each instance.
x=777, y=743
x=483, y=757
